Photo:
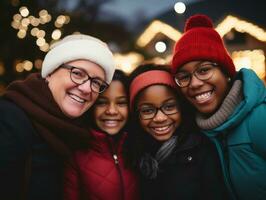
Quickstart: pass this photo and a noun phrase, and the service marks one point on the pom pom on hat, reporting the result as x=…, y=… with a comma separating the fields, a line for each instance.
x=75, y=47
x=198, y=21
x=201, y=42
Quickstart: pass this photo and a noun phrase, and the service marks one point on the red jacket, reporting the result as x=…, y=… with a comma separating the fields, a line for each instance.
x=99, y=172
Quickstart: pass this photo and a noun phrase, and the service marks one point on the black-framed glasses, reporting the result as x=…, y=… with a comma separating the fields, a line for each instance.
x=149, y=111
x=80, y=76
x=203, y=72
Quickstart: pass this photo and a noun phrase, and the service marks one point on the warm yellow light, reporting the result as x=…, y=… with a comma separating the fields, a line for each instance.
x=43, y=13
x=154, y=28
x=231, y=22
x=25, y=22
x=35, y=21
x=40, y=34
x=128, y=62
x=67, y=19
x=27, y=65
x=17, y=17
x=44, y=47
x=15, y=24
x=61, y=19
x=40, y=42
x=254, y=59
x=24, y=11
x=21, y=34
x=19, y=67
x=34, y=31
x=56, y=34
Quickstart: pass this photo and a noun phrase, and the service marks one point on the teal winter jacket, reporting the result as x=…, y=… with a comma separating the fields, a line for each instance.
x=241, y=141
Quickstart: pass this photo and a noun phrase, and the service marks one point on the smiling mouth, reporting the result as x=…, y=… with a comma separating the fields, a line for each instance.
x=111, y=123
x=161, y=130
x=77, y=98
x=201, y=98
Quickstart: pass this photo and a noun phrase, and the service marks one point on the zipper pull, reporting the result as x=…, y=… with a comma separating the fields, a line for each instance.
x=115, y=158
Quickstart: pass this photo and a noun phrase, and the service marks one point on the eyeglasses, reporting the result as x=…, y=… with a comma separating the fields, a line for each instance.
x=80, y=76
x=148, y=111
x=203, y=73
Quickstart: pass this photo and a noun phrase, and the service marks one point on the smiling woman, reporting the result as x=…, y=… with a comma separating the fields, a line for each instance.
x=42, y=121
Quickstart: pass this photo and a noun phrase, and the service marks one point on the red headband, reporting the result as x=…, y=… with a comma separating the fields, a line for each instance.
x=149, y=78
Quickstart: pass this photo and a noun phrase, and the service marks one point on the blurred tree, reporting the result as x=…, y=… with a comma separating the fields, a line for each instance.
x=83, y=18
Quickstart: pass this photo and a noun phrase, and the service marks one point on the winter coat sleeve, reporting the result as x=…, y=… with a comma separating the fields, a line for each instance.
x=15, y=143
x=72, y=184
x=257, y=129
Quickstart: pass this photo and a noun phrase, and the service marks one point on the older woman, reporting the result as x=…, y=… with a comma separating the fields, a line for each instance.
x=41, y=117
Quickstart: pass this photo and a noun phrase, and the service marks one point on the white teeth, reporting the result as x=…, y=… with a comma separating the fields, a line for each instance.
x=76, y=98
x=110, y=123
x=203, y=96
x=161, y=128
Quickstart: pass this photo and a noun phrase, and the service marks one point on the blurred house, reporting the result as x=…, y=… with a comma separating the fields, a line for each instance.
x=241, y=24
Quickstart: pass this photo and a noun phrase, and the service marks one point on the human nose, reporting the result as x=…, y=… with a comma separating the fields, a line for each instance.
x=111, y=109
x=159, y=116
x=195, y=81
x=85, y=87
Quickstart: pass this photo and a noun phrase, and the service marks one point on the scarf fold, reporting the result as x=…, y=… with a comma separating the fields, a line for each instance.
x=63, y=134
x=149, y=165
x=234, y=97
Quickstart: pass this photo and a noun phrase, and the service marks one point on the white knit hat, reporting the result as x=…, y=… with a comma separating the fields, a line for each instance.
x=74, y=47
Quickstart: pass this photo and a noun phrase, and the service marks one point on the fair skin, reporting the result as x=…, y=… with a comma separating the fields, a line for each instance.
x=111, y=109
x=206, y=96
x=161, y=127
x=74, y=100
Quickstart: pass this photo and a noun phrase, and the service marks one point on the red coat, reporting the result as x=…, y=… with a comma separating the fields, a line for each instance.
x=100, y=173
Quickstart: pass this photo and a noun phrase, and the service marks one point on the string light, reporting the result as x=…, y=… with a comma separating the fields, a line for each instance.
x=155, y=28
x=128, y=62
x=22, y=22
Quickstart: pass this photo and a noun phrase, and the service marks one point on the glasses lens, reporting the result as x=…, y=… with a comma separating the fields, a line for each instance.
x=147, y=112
x=205, y=71
x=182, y=79
x=170, y=108
x=98, y=85
x=78, y=76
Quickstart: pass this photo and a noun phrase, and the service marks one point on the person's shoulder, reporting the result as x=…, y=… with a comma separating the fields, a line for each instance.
x=13, y=117
x=8, y=109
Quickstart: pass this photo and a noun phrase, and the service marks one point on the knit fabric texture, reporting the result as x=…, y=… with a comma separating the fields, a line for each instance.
x=201, y=42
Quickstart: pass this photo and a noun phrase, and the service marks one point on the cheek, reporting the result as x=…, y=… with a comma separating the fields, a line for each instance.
x=144, y=124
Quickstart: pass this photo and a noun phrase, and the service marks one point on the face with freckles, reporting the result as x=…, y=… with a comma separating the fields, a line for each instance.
x=205, y=95
x=73, y=99
x=111, y=108
x=161, y=126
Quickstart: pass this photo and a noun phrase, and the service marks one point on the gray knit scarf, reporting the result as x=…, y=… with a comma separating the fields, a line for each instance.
x=234, y=97
x=149, y=165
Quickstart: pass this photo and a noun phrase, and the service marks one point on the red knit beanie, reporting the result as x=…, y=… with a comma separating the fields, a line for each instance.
x=200, y=41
